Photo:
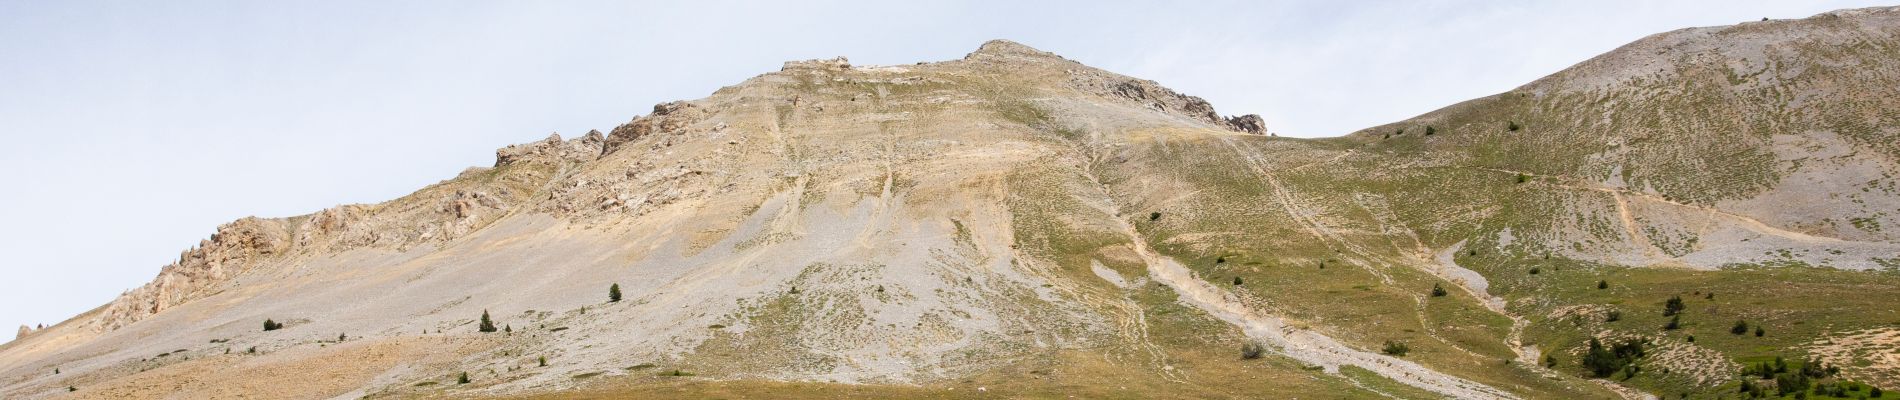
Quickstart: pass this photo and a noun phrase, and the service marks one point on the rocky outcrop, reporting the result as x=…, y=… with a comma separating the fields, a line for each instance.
x=835, y=64
x=24, y=330
x=666, y=117
x=234, y=249
x=1250, y=123
x=553, y=149
x=1155, y=97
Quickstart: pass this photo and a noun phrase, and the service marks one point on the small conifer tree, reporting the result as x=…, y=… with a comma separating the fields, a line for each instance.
x=1673, y=306
x=613, y=293
x=487, y=324
x=1741, y=327
x=1438, y=290
x=462, y=379
x=1603, y=284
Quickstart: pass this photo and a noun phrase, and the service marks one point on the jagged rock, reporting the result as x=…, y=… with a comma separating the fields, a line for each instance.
x=24, y=330
x=1250, y=123
x=670, y=117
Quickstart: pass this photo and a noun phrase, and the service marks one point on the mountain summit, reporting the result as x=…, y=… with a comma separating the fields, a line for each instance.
x=1016, y=224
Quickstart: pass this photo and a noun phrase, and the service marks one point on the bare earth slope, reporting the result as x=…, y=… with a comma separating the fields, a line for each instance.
x=1016, y=224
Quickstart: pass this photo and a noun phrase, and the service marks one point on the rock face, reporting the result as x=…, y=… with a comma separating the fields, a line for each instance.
x=1016, y=214
x=1250, y=123
x=23, y=331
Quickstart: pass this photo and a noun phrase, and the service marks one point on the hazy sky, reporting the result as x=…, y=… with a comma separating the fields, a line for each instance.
x=132, y=129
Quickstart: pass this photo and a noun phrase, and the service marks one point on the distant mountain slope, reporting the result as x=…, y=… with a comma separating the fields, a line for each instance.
x=1016, y=224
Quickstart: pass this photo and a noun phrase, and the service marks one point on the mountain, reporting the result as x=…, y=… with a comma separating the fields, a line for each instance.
x=1015, y=224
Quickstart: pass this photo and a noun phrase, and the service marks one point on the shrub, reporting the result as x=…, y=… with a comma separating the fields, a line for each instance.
x=270, y=325
x=488, y=325
x=462, y=379
x=1673, y=306
x=1535, y=270
x=1613, y=316
x=1675, y=323
x=1691, y=338
x=1430, y=130
x=1237, y=281
x=1396, y=348
x=1604, y=362
x=1759, y=331
x=1438, y=291
x=1873, y=392
x=1252, y=350
x=1521, y=178
x=1154, y=216
x=1603, y=284
x=1512, y=126
x=1550, y=361
x=544, y=361
x=613, y=293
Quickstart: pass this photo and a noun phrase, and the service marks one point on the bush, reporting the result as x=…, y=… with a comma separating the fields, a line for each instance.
x=1759, y=331
x=1673, y=306
x=1550, y=361
x=1154, y=216
x=1430, y=130
x=1675, y=323
x=1873, y=392
x=1521, y=178
x=487, y=324
x=462, y=379
x=544, y=361
x=1741, y=327
x=1396, y=348
x=1535, y=270
x=1438, y=291
x=613, y=293
x=1613, y=316
x=270, y=325
x=1237, y=281
x=1604, y=362
x=1602, y=284
x=1252, y=350
x=1512, y=126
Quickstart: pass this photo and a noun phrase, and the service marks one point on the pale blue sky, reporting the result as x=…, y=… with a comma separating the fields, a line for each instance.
x=132, y=129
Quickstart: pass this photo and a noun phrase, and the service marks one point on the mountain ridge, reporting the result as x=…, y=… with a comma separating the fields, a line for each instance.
x=1013, y=209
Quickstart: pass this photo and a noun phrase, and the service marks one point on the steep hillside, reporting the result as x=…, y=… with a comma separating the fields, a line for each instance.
x=1016, y=224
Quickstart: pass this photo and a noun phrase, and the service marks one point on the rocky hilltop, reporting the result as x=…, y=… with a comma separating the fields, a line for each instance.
x=1016, y=224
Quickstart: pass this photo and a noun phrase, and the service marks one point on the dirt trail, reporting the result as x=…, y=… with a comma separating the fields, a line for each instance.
x=1475, y=284
x=1300, y=344
x=1304, y=345
x=1623, y=196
